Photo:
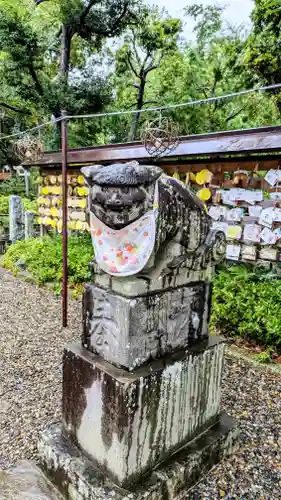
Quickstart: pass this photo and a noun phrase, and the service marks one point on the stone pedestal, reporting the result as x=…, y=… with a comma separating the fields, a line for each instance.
x=127, y=423
x=26, y=482
x=76, y=477
x=129, y=331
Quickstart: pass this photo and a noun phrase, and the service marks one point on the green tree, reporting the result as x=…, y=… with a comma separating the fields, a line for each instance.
x=218, y=54
x=210, y=66
x=263, y=48
x=208, y=22
x=146, y=45
x=45, y=47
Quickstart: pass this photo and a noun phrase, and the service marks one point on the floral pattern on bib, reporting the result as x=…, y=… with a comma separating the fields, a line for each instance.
x=125, y=252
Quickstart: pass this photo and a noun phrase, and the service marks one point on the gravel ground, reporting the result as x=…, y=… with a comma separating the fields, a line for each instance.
x=31, y=344
x=253, y=397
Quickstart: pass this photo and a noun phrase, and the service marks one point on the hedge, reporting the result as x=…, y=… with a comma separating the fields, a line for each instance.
x=247, y=303
x=42, y=258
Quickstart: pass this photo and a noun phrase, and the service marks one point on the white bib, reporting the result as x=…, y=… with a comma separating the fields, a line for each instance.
x=124, y=252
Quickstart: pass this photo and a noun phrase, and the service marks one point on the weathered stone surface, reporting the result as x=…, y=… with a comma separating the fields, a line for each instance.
x=129, y=332
x=28, y=225
x=121, y=193
x=137, y=286
x=16, y=219
x=129, y=422
x=78, y=479
x=26, y=482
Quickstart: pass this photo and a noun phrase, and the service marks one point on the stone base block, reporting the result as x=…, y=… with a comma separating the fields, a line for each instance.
x=129, y=422
x=26, y=482
x=142, y=285
x=77, y=479
x=130, y=331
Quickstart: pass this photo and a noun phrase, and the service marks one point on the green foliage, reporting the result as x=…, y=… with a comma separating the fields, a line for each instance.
x=263, y=357
x=45, y=54
x=145, y=46
x=246, y=303
x=54, y=55
x=262, y=55
x=15, y=185
x=4, y=214
x=208, y=21
x=28, y=205
x=4, y=204
x=213, y=65
x=43, y=259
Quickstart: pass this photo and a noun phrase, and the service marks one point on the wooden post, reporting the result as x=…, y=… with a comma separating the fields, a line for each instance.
x=64, y=218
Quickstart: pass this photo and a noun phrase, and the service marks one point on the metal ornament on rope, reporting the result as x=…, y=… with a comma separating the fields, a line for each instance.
x=25, y=149
x=160, y=137
x=28, y=148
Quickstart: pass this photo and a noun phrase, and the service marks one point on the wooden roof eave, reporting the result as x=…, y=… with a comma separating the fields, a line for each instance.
x=212, y=147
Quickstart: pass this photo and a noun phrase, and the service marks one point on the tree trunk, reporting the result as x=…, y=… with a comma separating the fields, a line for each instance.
x=65, y=55
x=66, y=35
x=136, y=116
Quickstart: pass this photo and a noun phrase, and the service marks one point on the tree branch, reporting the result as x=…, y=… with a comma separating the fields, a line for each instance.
x=86, y=10
x=132, y=67
x=37, y=2
x=233, y=115
x=153, y=66
x=34, y=77
x=205, y=93
x=129, y=106
x=115, y=24
x=135, y=48
x=213, y=88
x=150, y=102
x=14, y=108
x=142, y=70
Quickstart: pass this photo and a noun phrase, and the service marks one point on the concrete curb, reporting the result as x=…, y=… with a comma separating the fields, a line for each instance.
x=239, y=353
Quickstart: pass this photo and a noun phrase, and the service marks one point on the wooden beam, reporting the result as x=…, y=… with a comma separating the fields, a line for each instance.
x=262, y=140
x=222, y=166
x=182, y=168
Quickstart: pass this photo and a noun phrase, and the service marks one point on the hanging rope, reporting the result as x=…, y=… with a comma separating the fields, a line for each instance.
x=144, y=110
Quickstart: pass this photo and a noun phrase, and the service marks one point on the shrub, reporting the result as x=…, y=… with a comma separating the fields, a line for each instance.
x=4, y=213
x=263, y=357
x=28, y=205
x=42, y=257
x=247, y=303
x=16, y=184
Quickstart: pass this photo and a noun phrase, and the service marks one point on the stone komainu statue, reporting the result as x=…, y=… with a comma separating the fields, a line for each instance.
x=154, y=256
x=148, y=303
x=154, y=207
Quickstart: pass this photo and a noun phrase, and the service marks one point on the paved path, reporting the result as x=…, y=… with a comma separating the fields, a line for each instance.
x=31, y=344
